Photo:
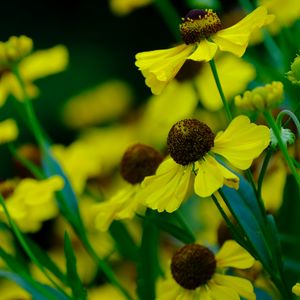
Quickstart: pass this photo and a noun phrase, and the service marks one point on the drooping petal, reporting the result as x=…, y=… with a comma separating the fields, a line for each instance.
x=233, y=255
x=121, y=206
x=169, y=187
x=209, y=178
x=205, y=51
x=242, y=286
x=235, y=39
x=241, y=142
x=159, y=67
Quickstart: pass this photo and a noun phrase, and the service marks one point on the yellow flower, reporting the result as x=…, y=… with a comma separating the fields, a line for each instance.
x=262, y=97
x=10, y=290
x=106, y=102
x=37, y=65
x=296, y=289
x=197, y=273
x=203, y=36
x=8, y=131
x=124, y=7
x=33, y=202
x=137, y=162
x=79, y=161
x=192, y=147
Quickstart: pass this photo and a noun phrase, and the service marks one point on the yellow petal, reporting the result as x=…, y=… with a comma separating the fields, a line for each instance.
x=8, y=131
x=230, y=179
x=241, y=142
x=209, y=178
x=44, y=62
x=205, y=51
x=169, y=187
x=219, y=292
x=233, y=255
x=296, y=289
x=3, y=93
x=242, y=286
x=159, y=67
x=235, y=38
x=120, y=206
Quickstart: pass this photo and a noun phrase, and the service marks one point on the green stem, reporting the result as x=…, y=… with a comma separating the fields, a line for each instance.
x=263, y=172
x=219, y=86
x=291, y=116
x=33, y=121
x=26, y=247
x=281, y=144
x=183, y=223
x=170, y=16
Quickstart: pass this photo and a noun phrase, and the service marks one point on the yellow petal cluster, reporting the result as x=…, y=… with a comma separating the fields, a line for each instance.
x=8, y=131
x=294, y=74
x=261, y=98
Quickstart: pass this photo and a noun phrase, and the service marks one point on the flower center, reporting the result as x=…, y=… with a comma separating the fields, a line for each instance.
x=199, y=24
x=192, y=266
x=189, y=140
x=138, y=162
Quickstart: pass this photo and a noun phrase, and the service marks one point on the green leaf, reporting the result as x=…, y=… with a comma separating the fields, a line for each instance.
x=79, y=292
x=21, y=276
x=245, y=207
x=124, y=241
x=148, y=266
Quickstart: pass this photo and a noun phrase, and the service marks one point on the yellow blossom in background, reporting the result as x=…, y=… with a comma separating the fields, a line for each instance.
x=208, y=280
x=234, y=74
x=192, y=147
x=106, y=102
x=8, y=131
x=10, y=290
x=262, y=97
x=13, y=50
x=79, y=161
x=32, y=67
x=124, y=7
x=203, y=36
x=33, y=202
x=296, y=289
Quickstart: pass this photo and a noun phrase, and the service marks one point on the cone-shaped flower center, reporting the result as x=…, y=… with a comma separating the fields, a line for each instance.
x=192, y=266
x=189, y=140
x=199, y=24
x=138, y=162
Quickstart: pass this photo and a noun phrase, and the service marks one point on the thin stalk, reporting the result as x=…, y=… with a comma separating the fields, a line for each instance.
x=263, y=171
x=170, y=16
x=291, y=116
x=282, y=146
x=33, y=121
x=219, y=86
x=27, y=248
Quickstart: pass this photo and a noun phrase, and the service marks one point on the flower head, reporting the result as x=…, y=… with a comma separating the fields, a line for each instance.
x=202, y=35
x=137, y=162
x=296, y=289
x=32, y=66
x=294, y=74
x=262, y=97
x=198, y=273
x=193, y=148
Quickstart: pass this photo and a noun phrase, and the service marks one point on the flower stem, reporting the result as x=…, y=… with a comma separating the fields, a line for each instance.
x=170, y=16
x=291, y=116
x=219, y=86
x=33, y=122
x=184, y=224
x=282, y=146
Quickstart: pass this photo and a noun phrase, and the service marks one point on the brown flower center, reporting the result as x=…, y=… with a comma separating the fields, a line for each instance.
x=199, y=24
x=189, y=140
x=138, y=162
x=192, y=266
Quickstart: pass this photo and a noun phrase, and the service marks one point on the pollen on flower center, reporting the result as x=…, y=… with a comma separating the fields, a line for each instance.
x=199, y=24
x=138, y=162
x=189, y=140
x=192, y=266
